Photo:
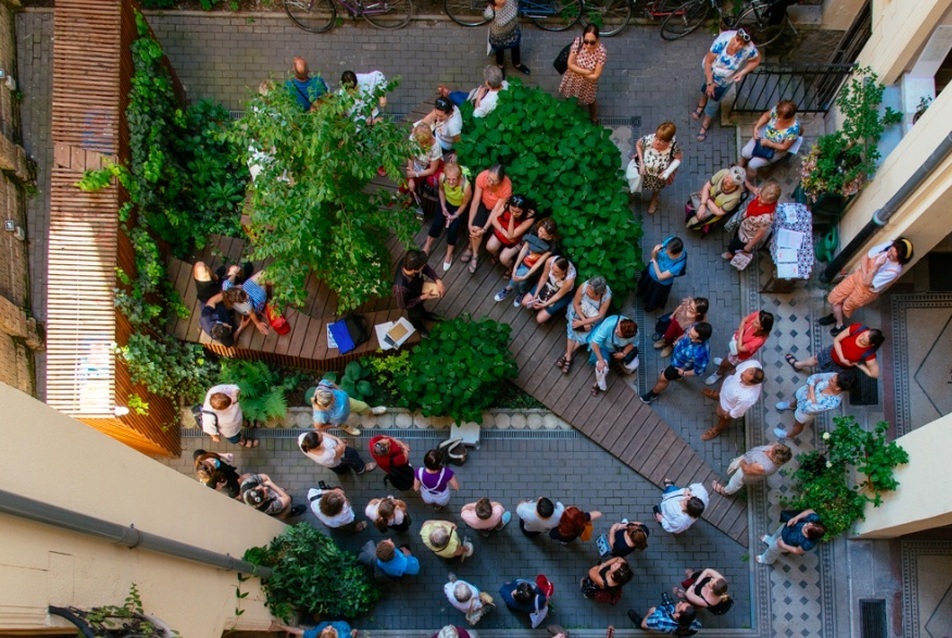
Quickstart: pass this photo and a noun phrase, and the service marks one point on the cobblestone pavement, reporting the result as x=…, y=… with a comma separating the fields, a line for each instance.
x=223, y=58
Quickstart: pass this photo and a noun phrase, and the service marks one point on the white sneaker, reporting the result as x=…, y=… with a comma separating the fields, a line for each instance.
x=783, y=405
x=377, y=411
x=711, y=380
x=446, y=265
x=516, y=302
x=780, y=432
x=718, y=361
x=349, y=429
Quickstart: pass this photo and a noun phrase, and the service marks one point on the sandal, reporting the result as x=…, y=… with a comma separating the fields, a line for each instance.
x=473, y=264
x=719, y=488
x=250, y=443
x=702, y=134
x=466, y=256
x=361, y=526
x=792, y=360
x=596, y=390
x=696, y=115
x=653, y=207
x=564, y=364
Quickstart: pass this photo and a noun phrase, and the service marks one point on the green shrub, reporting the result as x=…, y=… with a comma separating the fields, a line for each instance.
x=570, y=167
x=356, y=381
x=385, y=373
x=263, y=389
x=824, y=479
x=311, y=574
x=460, y=370
x=168, y=367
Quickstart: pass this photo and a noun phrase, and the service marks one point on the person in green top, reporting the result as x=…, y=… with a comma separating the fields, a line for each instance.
x=455, y=192
x=718, y=199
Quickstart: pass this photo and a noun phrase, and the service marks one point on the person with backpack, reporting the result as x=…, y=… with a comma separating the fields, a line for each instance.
x=388, y=513
x=393, y=457
x=433, y=481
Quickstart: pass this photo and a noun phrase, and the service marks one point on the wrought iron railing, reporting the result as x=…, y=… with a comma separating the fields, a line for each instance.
x=812, y=86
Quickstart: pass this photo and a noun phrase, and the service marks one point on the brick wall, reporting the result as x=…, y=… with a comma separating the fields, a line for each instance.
x=18, y=331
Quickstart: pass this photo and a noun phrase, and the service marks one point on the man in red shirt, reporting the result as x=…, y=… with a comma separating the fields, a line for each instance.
x=855, y=347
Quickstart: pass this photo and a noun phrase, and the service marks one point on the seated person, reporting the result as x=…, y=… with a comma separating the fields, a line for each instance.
x=531, y=259
x=249, y=300
x=774, y=133
x=718, y=199
x=305, y=89
x=484, y=97
x=509, y=220
x=446, y=122
x=424, y=166
x=363, y=86
x=218, y=321
x=553, y=292
x=613, y=342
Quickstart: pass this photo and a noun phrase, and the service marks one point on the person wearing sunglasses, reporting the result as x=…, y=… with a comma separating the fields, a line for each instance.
x=732, y=56
x=587, y=59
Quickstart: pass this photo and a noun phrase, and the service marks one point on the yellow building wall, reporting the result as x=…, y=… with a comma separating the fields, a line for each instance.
x=921, y=502
x=52, y=458
x=900, y=28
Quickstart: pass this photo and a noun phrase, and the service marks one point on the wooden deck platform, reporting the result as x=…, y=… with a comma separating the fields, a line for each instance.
x=616, y=420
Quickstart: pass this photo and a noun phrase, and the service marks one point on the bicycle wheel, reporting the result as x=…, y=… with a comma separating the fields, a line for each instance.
x=685, y=19
x=611, y=16
x=553, y=15
x=316, y=16
x=388, y=14
x=754, y=21
x=468, y=13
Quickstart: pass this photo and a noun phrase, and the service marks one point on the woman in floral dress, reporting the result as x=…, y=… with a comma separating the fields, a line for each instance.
x=774, y=133
x=656, y=153
x=587, y=59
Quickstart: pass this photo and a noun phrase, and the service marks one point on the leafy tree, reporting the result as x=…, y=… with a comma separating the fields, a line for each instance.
x=312, y=206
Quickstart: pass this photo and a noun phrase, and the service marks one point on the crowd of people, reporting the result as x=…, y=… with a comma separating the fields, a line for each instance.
x=503, y=227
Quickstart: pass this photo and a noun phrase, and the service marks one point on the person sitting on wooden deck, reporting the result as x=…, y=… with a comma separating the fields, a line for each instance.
x=409, y=293
x=248, y=300
x=484, y=97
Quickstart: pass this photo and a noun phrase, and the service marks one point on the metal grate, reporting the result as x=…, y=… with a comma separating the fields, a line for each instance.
x=872, y=618
x=629, y=120
x=414, y=434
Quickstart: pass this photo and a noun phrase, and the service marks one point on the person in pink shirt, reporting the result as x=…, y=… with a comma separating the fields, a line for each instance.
x=485, y=516
x=747, y=340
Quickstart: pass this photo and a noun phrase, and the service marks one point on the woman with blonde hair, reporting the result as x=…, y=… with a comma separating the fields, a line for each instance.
x=659, y=156
x=388, y=513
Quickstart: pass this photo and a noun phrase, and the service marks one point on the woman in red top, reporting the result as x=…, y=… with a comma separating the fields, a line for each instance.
x=852, y=348
x=750, y=336
x=389, y=452
x=756, y=221
x=509, y=221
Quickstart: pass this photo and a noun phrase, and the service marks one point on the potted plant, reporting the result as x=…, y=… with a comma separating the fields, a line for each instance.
x=841, y=163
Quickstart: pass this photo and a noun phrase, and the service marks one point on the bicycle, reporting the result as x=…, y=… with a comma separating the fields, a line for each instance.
x=317, y=16
x=754, y=19
x=548, y=15
x=613, y=16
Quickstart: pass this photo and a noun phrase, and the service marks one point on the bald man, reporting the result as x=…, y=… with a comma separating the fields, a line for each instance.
x=306, y=90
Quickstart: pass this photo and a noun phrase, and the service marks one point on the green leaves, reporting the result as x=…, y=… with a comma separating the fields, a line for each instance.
x=262, y=388
x=312, y=575
x=168, y=367
x=460, y=370
x=570, y=167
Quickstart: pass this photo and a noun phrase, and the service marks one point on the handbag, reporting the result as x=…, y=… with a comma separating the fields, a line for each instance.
x=561, y=61
x=633, y=175
x=586, y=534
x=277, y=320
x=733, y=223
x=762, y=151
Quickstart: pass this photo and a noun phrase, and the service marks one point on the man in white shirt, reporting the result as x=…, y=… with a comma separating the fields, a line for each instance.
x=680, y=507
x=362, y=86
x=222, y=417
x=483, y=97
x=739, y=392
x=538, y=516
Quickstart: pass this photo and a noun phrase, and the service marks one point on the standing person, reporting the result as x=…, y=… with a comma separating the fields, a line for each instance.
x=388, y=513
x=217, y=472
x=774, y=133
x=333, y=510
x=668, y=260
x=222, y=416
x=822, y=393
x=433, y=481
x=690, y=311
x=333, y=453
x=454, y=192
x=798, y=535
x=881, y=266
x=261, y=493
x=446, y=122
x=505, y=33
x=305, y=89
x=492, y=185
x=674, y=619
x=538, y=516
x=573, y=524
x=362, y=87
x=625, y=538
x=388, y=452
x=680, y=506
x=442, y=539
x=613, y=342
x=396, y=562
x=755, y=465
x=587, y=59
x=605, y=580
x=689, y=358
x=524, y=597
x=732, y=56
x=659, y=156
x=409, y=293
x=739, y=392
x=749, y=337
x=485, y=516
x=588, y=309
x=467, y=598
x=705, y=589
x=757, y=220
x=332, y=407
x=854, y=348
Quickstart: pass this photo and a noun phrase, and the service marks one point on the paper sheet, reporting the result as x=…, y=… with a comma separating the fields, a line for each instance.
x=787, y=238
x=788, y=271
x=381, y=329
x=786, y=256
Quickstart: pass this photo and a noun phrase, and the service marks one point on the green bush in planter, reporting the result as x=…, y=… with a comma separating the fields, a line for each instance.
x=356, y=380
x=263, y=389
x=570, y=167
x=459, y=370
x=312, y=575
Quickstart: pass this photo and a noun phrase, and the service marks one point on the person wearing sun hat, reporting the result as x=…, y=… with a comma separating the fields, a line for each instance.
x=332, y=407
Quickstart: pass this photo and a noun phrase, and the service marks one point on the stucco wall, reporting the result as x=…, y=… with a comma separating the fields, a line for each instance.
x=920, y=503
x=900, y=28
x=52, y=458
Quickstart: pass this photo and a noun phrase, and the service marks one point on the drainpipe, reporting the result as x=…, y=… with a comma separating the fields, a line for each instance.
x=127, y=536
x=881, y=216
